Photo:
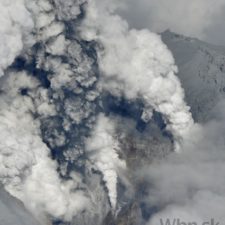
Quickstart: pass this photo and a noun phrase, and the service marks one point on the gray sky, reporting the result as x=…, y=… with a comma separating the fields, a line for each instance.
x=203, y=19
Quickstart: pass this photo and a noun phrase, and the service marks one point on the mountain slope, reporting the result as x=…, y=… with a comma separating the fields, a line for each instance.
x=13, y=212
x=201, y=71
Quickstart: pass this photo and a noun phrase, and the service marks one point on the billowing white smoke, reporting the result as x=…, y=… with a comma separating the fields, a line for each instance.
x=138, y=65
x=102, y=148
x=26, y=169
x=16, y=24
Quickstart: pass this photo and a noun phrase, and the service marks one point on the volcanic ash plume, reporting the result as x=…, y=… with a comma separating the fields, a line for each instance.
x=102, y=148
x=136, y=64
x=16, y=25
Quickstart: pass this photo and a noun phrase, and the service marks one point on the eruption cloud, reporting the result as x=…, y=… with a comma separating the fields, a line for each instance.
x=16, y=26
x=63, y=94
x=27, y=171
x=103, y=149
x=137, y=64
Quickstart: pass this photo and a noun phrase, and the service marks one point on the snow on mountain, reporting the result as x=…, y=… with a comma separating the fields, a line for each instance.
x=201, y=71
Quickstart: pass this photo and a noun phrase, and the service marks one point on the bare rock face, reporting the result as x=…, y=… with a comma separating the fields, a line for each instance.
x=130, y=215
x=140, y=152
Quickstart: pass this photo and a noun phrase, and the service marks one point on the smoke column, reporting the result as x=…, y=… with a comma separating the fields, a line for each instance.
x=137, y=64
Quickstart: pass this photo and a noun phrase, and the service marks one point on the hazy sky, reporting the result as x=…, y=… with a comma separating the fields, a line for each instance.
x=197, y=18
